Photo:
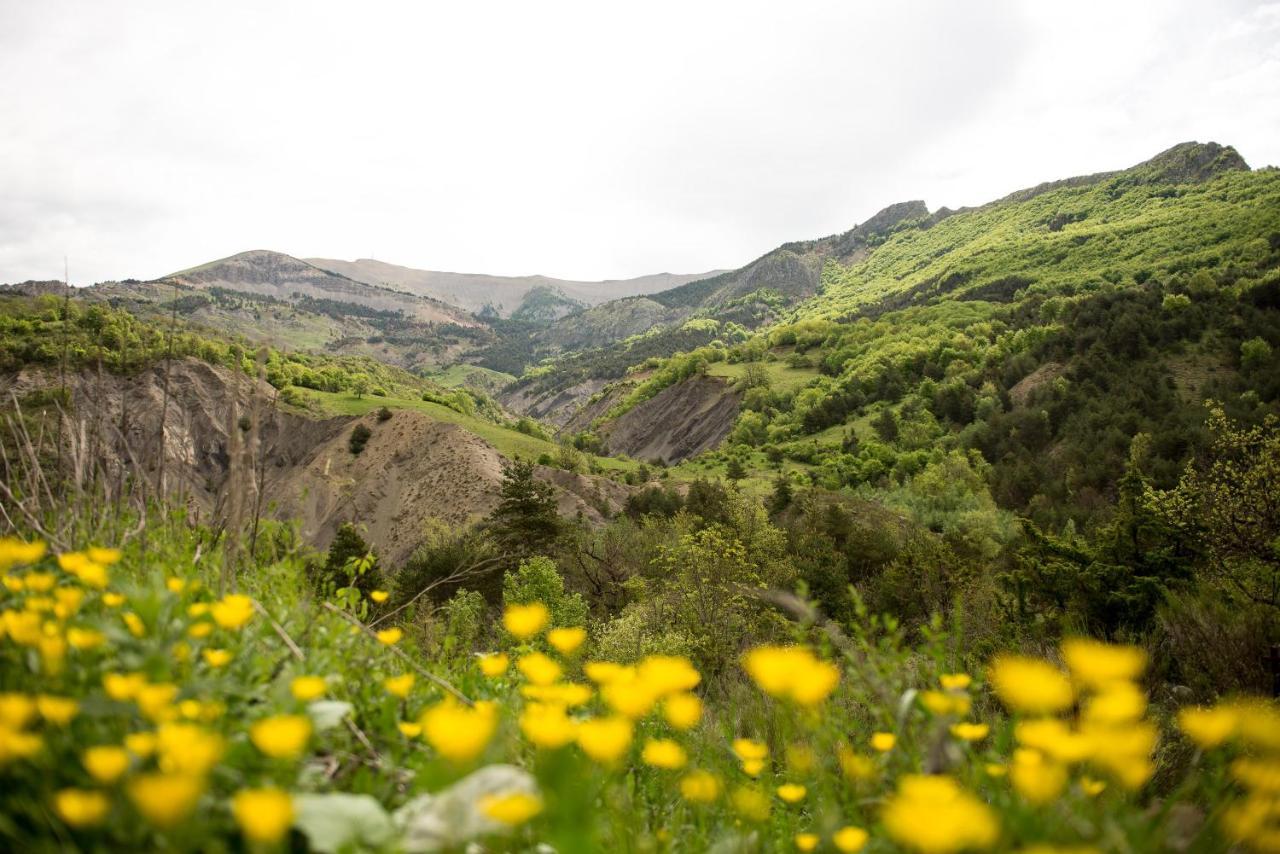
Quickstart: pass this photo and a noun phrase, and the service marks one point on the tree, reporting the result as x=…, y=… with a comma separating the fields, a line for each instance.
x=782, y=494
x=525, y=522
x=350, y=561
x=735, y=470
x=360, y=385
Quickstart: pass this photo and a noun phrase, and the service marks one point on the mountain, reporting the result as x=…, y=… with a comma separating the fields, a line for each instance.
x=501, y=295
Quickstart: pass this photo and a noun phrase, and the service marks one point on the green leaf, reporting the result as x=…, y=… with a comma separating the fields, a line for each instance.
x=335, y=820
x=327, y=714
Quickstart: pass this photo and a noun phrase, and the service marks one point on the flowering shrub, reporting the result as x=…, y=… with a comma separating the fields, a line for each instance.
x=138, y=710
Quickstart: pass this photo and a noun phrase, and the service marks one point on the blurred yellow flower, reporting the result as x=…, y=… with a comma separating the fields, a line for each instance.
x=630, y=695
x=264, y=815
x=547, y=725
x=605, y=739
x=409, y=729
x=69, y=601
x=932, y=814
x=1092, y=787
x=103, y=555
x=57, y=710
x=1030, y=685
x=1115, y=703
x=18, y=745
x=105, y=763
x=792, y=793
x=566, y=641
x=955, y=681
x=134, y=623
x=511, y=809
x=849, y=839
x=175, y=585
x=140, y=744
x=604, y=672
x=16, y=552
x=746, y=748
x=1036, y=777
x=165, y=799
x=682, y=711
x=970, y=731
x=81, y=807
x=307, y=688
x=663, y=753
x=112, y=600
x=459, y=733
x=186, y=749
x=538, y=668
x=668, y=674
x=16, y=710
x=568, y=694
x=216, y=657
x=40, y=582
x=750, y=803
x=281, y=736
x=399, y=686
x=883, y=741
x=943, y=703
x=806, y=841
x=854, y=765
x=700, y=787
x=525, y=621
x=156, y=701
x=389, y=636
x=1209, y=728
x=200, y=630
x=494, y=664
x=791, y=672
x=85, y=639
x=1098, y=664
x=232, y=611
x=379, y=596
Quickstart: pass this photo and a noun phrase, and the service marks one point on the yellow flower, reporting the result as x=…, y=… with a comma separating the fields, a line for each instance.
x=458, y=733
x=604, y=672
x=156, y=701
x=1116, y=703
x=567, y=641
x=40, y=582
x=494, y=664
x=16, y=710
x=379, y=596
x=806, y=841
x=165, y=799
x=995, y=769
x=682, y=711
x=800, y=757
x=605, y=739
x=955, y=681
x=668, y=674
x=186, y=750
x=511, y=809
x=943, y=703
x=663, y=753
x=216, y=657
x=399, y=686
x=140, y=744
x=1091, y=787
x=389, y=636
x=1098, y=664
x=69, y=601
x=106, y=763
x=232, y=611
x=102, y=555
x=1209, y=728
x=525, y=621
x=854, y=765
x=264, y=815
x=547, y=725
x=849, y=839
x=538, y=668
x=751, y=804
x=935, y=816
x=970, y=732
x=85, y=639
x=752, y=767
x=1036, y=777
x=568, y=694
x=1054, y=739
x=17, y=745
x=89, y=571
x=409, y=729
x=883, y=741
x=16, y=552
x=175, y=585
x=281, y=736
x=630, y=695
x=307, y=688
x=791, y=672
x=112, y=600
x=197, y=609
x=81, y=807
x=1030, y=685
x=57, y=710
x=200, y=630
x=792, y=793
x=700, y=787
x=134, y=623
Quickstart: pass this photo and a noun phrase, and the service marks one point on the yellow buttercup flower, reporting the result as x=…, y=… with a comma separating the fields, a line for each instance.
x=668, y=674
x=112, y=600
x=85, y=639
x=792, y=793
x=140, y=744
x=156, y=701
x=281, y=736
x=849, y=839
x=200, y=630
x=1030, y=685
x=700, y=787
x=605, y=739
x=525, y=621
x=264, y=815
x=538, y=668
x=106, y=763
x=232, y=611
x=806, y=841
x=511, y=809
x=175, y=585
x=216, y=657
x=458, y=733
x=630, y=695
x=1209, y=728
x=682, y=711
x=883, y=741
x=134, y=623
x=18, y=745
x=389, y=636
x=57, y=710
x=16, y=710
x=567, y=694
x=935, y=816
x=494, y=664
x=604, y=672
x=944, y=703
x=854, y=765
x=751, y=804
x=165, y=799
x=663, y=753
x=186, y=750
x=746, y=748
x=123, y=687
x=1036, y=777
x=409, y=729
x=955, y=681
x=307, y=688
x=81, y=807
x=69, y=601
x=1092, y=787
x=791, y=672
x=970, y=732
x=399, y=686
x=566, y=641
x=1098, y=664
x=16, y=552
x=379, y=596
x=40, y=582
x=103, y=555
x=547, y=725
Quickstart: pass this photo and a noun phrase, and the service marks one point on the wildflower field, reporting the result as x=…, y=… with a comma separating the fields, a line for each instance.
x=140, y=710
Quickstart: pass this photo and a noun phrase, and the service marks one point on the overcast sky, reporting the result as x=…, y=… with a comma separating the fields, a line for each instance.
x=580, y=140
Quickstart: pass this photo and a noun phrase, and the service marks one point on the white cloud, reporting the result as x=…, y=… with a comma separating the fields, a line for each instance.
x=583, y=140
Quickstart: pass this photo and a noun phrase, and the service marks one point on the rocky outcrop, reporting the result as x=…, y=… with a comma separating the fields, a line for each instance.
x=679, y=422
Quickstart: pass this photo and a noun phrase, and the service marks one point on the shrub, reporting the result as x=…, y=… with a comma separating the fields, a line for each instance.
x=359, y=438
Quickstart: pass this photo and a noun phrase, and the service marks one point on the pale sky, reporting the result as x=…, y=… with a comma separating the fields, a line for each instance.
x=580, y=140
